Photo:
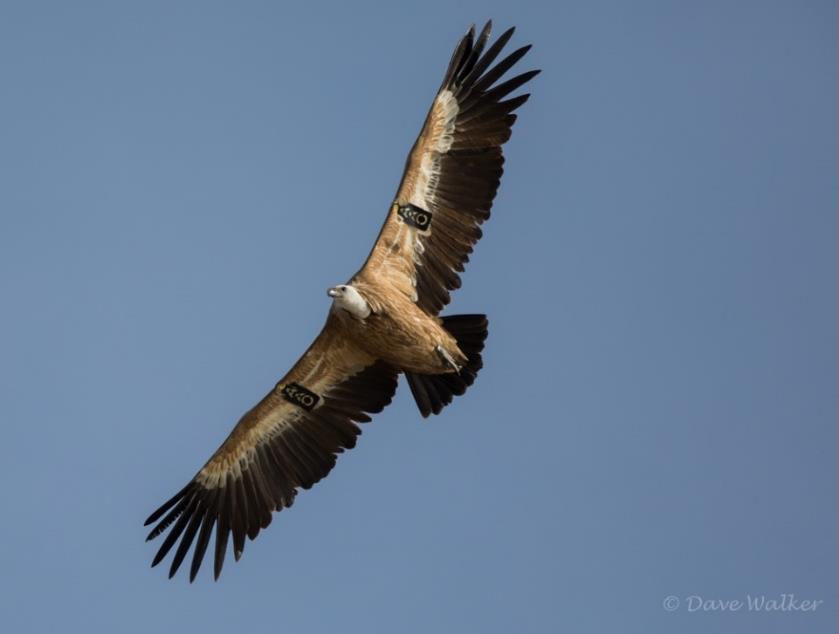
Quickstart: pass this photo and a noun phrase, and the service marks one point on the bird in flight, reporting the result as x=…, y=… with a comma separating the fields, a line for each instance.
x=384, y=321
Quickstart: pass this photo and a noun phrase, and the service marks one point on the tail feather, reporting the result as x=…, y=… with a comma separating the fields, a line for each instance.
x=433, y=392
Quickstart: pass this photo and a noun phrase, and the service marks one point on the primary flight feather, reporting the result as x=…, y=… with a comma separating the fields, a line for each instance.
x=382, y=322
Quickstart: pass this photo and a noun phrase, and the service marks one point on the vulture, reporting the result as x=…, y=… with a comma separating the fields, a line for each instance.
x=385, y=321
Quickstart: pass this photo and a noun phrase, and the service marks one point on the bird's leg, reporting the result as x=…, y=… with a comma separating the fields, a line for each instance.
x=447, y=358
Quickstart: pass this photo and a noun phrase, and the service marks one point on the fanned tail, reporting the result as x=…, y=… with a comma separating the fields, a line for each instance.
x=433, y=392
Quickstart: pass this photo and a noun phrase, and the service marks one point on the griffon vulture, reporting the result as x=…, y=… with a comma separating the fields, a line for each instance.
x=384, y=321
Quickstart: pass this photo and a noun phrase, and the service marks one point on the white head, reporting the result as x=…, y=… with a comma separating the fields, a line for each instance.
x=348, y=298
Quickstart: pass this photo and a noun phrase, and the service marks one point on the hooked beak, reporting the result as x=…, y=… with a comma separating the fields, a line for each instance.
x=332, y=292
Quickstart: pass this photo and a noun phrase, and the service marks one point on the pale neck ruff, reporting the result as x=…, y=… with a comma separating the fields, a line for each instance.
x=352, y=302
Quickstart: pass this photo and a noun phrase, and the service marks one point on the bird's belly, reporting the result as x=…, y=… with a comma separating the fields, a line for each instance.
x=407, y=343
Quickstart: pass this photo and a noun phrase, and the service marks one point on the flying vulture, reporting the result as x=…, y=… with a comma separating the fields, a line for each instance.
x=384, y=321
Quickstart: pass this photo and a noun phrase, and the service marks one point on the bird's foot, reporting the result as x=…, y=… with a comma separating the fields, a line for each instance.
x=447, y=358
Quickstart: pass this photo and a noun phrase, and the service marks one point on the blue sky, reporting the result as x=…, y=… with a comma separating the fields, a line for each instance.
x=658, y=411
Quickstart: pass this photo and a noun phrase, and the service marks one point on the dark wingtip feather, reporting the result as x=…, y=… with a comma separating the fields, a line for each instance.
x=496, y=72
x=167, y=505
x=203, y=538
x=485, y=33
x=502, y=90
x=486, y=59
x=187, y=538
x=502, y=40
x=468, y=62
x=169, y=519
x=175, y=532
x=222, y=531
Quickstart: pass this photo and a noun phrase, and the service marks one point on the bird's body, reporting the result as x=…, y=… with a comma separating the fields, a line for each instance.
x=398, y=331
x=385, y=321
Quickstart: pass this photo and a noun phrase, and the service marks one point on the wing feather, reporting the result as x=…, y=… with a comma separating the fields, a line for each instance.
x=452, y=173
x=278, y=447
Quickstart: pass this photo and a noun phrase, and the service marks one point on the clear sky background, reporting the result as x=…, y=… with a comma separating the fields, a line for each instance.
x=180, y=183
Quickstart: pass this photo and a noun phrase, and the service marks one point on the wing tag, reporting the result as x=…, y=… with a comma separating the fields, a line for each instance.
x=414, y=216
x=299, y=395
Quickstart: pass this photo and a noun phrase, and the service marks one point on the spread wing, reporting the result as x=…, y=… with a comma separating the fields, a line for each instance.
x=288, y=441
x=451, y=176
